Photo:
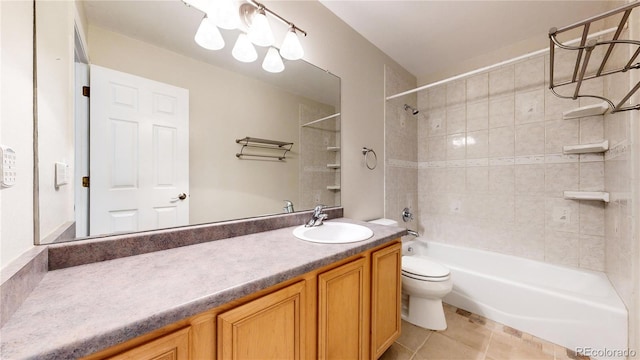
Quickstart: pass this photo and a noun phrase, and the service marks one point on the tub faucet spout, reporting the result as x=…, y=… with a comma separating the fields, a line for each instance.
x=413, y=233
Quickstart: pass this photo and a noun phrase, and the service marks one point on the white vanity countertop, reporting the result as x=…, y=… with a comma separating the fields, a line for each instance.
x=77, y=311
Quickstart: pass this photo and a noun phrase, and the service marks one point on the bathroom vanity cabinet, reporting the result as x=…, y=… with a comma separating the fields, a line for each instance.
x=349, y=309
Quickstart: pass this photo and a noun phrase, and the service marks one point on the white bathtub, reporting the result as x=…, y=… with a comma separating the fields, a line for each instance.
x=569, y=307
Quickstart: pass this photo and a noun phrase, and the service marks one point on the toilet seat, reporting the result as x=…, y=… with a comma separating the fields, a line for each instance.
x=424, y=269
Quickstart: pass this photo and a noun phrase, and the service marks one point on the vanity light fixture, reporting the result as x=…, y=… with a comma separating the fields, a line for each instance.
x=291, y=48
x=243, y=50
x=273, y=62
x=208, y=36
x=250, y=18
x=259, y=30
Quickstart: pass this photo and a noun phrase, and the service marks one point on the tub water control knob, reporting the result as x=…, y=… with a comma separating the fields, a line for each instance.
x=406, y=215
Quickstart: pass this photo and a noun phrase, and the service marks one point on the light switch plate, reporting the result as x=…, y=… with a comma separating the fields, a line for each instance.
x=8, y=166
x=62, y=174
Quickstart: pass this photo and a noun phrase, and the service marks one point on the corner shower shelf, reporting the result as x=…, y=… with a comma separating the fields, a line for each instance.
x=333, y=166
x=321, y=120
x=584, y=111
x=586, y=148
x=250, y=142
x=587, y=195
x=586, y=48
x=333, y=187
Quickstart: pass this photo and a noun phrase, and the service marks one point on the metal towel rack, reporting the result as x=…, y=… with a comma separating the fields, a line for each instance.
x=586, y=48
x=251, y=142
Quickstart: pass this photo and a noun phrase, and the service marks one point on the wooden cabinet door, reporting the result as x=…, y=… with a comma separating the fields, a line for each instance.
x=386, y=298
x=270, y=327
x=343, y=312
x=174, y=346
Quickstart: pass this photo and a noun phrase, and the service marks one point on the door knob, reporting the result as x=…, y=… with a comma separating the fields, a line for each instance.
x=181, y=196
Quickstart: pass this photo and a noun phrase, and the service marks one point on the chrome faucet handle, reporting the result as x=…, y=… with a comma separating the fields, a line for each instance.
x=317, y=217
x=406, y=215
x=318, y=210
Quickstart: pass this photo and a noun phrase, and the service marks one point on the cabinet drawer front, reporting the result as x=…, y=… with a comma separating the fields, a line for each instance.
x=271, y=327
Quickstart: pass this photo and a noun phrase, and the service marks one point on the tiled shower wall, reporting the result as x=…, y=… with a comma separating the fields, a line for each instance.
x=492, y=172
x=317, y=179
x=401, y=170
x=490, y=168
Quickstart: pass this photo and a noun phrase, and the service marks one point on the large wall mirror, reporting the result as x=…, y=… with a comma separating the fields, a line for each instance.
x=156, y=141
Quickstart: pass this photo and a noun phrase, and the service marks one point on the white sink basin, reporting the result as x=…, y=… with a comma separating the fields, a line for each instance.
x=333, y=233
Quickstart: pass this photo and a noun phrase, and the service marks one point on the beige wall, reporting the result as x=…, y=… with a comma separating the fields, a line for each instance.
x=55, y=111
x=334, y=46
x=222, y=187
x=16, y=126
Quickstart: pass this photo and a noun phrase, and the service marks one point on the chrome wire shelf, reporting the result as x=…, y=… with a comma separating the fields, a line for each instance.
x=584, y=51
x=251, y=142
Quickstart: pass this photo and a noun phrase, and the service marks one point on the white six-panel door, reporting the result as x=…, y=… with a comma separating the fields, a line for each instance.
x=139, y=155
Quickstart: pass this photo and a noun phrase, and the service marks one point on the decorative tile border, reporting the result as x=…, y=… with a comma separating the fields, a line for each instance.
x=320, y=169
x=514, y=160
x=403, y=163
x=618, y=150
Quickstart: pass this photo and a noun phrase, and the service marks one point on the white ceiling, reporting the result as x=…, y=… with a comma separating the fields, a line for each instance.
x=427, y=36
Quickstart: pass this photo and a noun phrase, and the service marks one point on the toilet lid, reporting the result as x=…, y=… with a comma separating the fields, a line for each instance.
x=422, y=266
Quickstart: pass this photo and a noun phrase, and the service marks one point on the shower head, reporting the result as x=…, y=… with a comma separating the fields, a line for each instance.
x=413, y=110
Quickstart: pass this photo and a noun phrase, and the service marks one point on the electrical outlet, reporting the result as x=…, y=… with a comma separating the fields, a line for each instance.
x=562, y=214
x=8, y=166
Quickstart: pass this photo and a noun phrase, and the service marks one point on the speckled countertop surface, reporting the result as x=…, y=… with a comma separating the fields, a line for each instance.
x=79, y=310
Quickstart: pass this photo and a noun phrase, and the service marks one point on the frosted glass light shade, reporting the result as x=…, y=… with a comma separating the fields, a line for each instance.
x=260, y=32
x=291, y=48
x=243, y=50
x=225, y=13
x=272, y=62
x=208, y=36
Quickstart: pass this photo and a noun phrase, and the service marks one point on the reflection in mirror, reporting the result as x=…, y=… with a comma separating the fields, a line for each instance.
x=156, y=139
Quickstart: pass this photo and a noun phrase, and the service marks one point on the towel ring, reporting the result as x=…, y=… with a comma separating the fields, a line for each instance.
x=365, y=153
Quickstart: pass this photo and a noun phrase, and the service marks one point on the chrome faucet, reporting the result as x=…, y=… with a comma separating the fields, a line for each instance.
x=318, y=216
x=288, y=206
x=412, y=233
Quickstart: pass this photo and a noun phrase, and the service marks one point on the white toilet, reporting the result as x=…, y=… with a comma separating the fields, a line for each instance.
x=424, y=283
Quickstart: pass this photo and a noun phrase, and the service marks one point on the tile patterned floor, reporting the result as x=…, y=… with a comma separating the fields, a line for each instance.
x=473, y=337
